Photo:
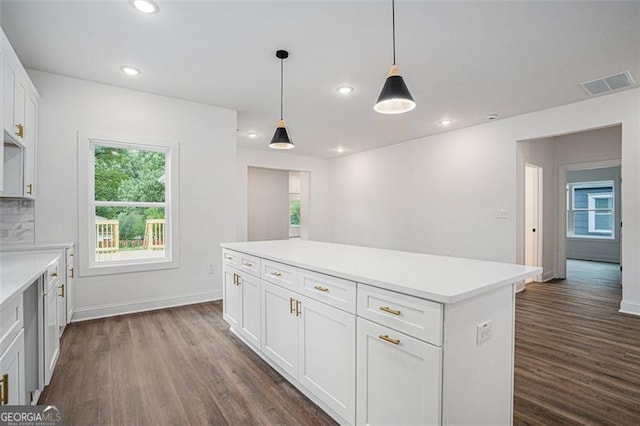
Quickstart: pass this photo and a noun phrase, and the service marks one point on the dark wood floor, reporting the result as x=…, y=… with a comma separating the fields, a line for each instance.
x=176, y=366
x=577, y=358
x=577, y=362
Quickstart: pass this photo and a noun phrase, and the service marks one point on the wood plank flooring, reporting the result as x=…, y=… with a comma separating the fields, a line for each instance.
x=577, y=362
x=176, y=366
x=577, y=358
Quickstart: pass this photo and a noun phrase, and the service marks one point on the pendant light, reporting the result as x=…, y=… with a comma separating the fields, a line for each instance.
x=394, y=97
x=280, y=138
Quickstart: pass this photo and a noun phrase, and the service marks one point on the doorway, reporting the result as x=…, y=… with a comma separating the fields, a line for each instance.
x=533, y=218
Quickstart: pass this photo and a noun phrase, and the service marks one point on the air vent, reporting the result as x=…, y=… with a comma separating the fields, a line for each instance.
x=609, y=84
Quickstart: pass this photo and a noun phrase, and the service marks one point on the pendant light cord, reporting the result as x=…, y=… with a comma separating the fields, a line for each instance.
x=281, y=85
x=393, y=26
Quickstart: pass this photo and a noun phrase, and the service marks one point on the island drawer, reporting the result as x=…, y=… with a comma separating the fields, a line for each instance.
x=416, y=317
x=51, y=277
x=230, y=258
x=249, y=264
x=330, y=290
x=11, y=320
x=279, y=273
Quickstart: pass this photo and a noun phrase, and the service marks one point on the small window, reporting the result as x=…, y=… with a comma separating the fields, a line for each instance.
x=591, y=210
x=131, y=215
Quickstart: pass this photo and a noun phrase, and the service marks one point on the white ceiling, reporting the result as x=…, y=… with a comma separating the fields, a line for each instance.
x=461, y=60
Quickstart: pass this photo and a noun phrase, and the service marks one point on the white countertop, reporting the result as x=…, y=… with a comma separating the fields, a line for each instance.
x=35, y=246
x=18, y=270
x=439, y=278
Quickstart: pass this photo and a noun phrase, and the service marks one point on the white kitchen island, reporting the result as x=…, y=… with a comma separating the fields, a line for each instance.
x=378, y=336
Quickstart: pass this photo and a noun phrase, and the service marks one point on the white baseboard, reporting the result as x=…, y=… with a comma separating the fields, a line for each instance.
x=103, y=311
x=548, y=276
x=629, y=307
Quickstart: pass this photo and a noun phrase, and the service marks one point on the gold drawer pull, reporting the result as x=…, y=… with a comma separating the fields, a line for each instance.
x=71, y=270
x=248, y=265
x=389, y=310
x=30, y=189
x=54, y=274
x=324, y=289
x=20, y=130
x=228, y=258
x=61, y=287
x=5, y=390
x=291, y=305
x=276, y=274
x=298, y=308
x=389, y=339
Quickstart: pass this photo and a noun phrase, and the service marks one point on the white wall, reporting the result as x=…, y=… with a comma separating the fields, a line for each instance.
x=267, y=204
x=317, y=216
x=440, y=194
x=207, y=136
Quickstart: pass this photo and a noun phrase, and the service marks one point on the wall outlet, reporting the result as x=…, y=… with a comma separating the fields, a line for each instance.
x=212, y=268
x=483, y=332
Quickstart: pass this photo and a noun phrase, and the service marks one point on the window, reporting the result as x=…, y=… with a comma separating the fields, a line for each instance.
x=129, y=222
x=591, y=210
x=294, y=204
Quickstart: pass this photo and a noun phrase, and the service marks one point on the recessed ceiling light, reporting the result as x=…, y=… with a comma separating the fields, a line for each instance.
x=492, y=116
x=340, y=149
x=128, y=70
x=252, y=134
x=445, y=122
x=345, y=90
x=145, y=6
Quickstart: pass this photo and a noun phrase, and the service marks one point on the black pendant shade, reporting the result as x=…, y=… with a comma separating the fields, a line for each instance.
x=395, y=97
x=280, y=138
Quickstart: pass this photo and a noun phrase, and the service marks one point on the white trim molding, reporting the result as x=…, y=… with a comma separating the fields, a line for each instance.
x=629, y=307
x=110, y=310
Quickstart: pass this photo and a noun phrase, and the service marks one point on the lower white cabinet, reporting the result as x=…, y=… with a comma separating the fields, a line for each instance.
x=51, y=328
x=314, y=343
x=399, y=377
x=242, y=306
x=12, y=373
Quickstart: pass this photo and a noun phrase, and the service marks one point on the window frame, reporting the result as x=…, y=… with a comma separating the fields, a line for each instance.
x=88, y=266
x=591, y=212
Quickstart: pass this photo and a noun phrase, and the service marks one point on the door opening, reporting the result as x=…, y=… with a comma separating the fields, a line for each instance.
x=533, y=218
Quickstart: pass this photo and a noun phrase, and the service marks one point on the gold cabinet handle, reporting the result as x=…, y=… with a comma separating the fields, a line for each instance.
x=5, y=390
x=247, y=264
x=61, y=287
x=389, y=339
x=235, y=279
x=54, y=274
x=389, y=310
x=291, y=305
x=320, y=288
x=228, y=258
x=276, y=274
x=20, y=131
x=298, y=308
x=71, y=276
x=30, y=189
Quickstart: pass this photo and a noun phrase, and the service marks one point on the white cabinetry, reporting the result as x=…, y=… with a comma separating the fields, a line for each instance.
x=51, y=326
x=20, y=118
x=12, y=373
x=280, y=327
x=66, y=295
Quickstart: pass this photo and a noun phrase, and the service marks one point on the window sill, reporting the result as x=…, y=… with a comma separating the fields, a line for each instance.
x=591, y=238
x=109, y=268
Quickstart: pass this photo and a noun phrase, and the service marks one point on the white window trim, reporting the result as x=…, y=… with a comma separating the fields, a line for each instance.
x=591, y=212
x=86, y=204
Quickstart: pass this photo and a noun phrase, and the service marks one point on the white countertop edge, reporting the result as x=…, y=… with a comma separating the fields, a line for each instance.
x=27, y=279
x=37, y=246
x=390, y=285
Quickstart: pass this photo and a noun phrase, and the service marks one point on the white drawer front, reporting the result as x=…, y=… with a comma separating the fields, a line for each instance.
x=54, y=273
x=331, y=290
x=70, y=255
x=230, y=258
x=411, y=315
x=279, y=273
x=11, y=319
x=249, y=264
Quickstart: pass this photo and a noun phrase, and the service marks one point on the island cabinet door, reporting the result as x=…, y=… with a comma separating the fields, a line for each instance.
x=232, y=304
x=280, y=327
x=251, y=308
x=327, y=347
x=398, y=377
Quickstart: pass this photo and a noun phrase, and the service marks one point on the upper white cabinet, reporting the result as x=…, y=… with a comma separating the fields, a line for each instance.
x=20, y=118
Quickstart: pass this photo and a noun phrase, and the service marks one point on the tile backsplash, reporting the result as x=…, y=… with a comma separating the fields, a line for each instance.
x=17, y=221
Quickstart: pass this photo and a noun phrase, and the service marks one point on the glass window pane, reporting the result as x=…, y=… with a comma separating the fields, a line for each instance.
x=294, y=210
x=129, y=174
x=604, y=222
x=129, y=233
